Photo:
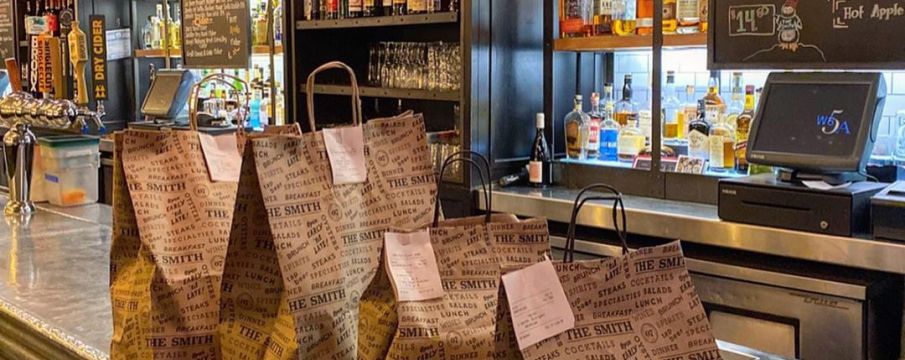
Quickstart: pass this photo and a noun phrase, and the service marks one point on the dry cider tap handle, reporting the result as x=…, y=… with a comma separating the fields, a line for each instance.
x=78, y=55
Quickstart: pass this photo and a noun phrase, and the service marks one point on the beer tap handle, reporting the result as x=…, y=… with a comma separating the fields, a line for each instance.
x=56, y=65
x=78, y=55
x=15, y=77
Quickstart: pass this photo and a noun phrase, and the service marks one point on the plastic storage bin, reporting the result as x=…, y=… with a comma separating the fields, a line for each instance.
x=70, y=169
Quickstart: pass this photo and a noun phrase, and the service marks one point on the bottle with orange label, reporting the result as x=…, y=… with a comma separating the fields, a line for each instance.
x=575, y=18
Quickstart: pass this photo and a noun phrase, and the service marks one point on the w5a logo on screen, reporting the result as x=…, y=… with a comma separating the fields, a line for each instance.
x=831, y=124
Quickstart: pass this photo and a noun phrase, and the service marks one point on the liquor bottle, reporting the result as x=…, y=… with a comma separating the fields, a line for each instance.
x=698, y=132
x=736, y=100
x=688, y=16
x=539, y=156
x=574, y=19
x=592, y=142
x=626, y=109
x=609, y=136
x=631, y=142
x=155, y=32
x=399, y=7
x=670, y=23
x=742, y=130
x=690, y=112
x=277, y=23
x=715, y=109
x=645, y=23
x=416, y=6
x=261, y=37
x=356, y=7
x=147, y=34
x=163, y=29
x=722, y=146
x=623, y=17
x=175, y=30
x=703, y=15
x=386, y=7
x=573, y=123
x=603, y=17
x=370, y=8
x=331, y=9
x=671, y=108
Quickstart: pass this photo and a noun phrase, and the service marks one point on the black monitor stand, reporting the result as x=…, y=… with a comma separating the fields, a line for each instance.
x=795, y=176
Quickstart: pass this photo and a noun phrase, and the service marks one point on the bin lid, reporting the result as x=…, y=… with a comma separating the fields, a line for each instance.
x=64, y=141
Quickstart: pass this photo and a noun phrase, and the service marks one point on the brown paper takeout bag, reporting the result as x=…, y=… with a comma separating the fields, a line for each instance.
x=436, y=328
x=314, y=246
x=641, y=305
x=172, y=225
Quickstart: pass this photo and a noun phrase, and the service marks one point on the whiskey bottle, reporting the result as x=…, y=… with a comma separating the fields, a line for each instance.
x=540, y=156
x=575, y=18
x=698, y=132
x=670, y=24
x=631, y=142
x=603, y=17
x=609, y=129
x=356, y=7
x=416, y=6
x=671, y=108
x=626, y=109
x=736, y=100
x=715, y=109
x=722, y=146
x=703, y=15
x=624, y=20
x=399, y=7
x=690, y=112
x=175, y=30
x=645, y=22
x=573, y=123
x=742, y=130
x=592, y=142
x=688, y=16
x=261, y=37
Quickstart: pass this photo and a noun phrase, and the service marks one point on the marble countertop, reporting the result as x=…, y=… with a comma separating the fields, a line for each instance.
x=54, y=275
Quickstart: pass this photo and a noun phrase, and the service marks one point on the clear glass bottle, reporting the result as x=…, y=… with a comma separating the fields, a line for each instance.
x=624, y=20
x=690, y=112
x=736, y=100
x=626, y=109
x=671, y=108
x=631, y=142
x=540, y=155
x=715, y=107
x=698, y=133
x=146, y=34
x=277, y=23
x=260, y=27
x=688, y=16
x=155, y=33
x=175, y=30
x=575, y=18
x=574, y=122
x=609, y=128
x=742, y=131
x=592, y=142
x=603, y=17
x=161, y=28
x=722, y=146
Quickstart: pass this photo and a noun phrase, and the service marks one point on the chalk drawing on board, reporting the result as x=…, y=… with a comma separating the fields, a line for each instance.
x=789, y=26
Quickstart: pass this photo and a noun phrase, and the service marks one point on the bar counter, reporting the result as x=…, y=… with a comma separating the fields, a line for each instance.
x=699, y=223
x=54, y=271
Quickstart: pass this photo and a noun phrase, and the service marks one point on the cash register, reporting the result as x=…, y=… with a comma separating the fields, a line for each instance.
x=819, y=129
x=165, y=100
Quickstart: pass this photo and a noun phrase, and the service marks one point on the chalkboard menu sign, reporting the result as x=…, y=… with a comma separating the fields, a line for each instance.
x=216, y=34
x=7, y=36
x=806, y=34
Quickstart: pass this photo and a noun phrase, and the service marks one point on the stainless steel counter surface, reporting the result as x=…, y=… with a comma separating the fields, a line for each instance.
x=699, y=223
x=54, y=272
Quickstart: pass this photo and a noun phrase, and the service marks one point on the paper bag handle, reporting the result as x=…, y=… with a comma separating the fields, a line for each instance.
x=356, y=99
x=228, y=80
x=580, y=200
x=484, y=172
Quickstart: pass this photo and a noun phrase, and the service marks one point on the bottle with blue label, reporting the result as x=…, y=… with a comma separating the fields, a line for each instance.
x=609, y=128
x=254, y=112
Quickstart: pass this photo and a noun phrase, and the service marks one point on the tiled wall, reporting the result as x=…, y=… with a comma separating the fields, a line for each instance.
x=691, y=68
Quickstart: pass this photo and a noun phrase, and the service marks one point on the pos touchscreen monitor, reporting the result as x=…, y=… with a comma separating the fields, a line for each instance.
x=817, y=123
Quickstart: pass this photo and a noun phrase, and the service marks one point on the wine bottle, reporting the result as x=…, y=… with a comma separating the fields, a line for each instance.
x=540, y=156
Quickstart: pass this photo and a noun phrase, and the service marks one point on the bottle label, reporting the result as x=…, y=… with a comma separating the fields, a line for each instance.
x=571, y=26
x=593, y=136
x=669, y=11
x=702, y=5
x=609, y=143
x=645, y=22
x=605, y=7
x=687, y=10
x=741, y=151
x=355, y=5
x=698, y=145
x=417, y=5
x=716, y=152
x=573, y=138
x=631, y=145
x=536, y=172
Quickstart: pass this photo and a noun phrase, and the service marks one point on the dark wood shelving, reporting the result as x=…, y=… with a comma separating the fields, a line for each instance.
x=378, y=92
x=634, y=42
x=378, y=21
